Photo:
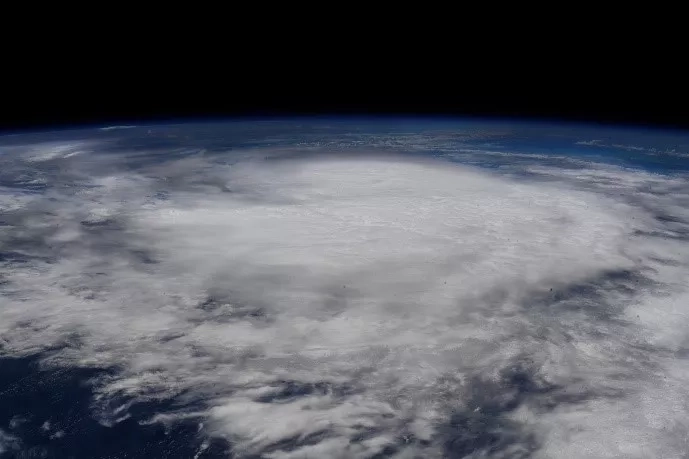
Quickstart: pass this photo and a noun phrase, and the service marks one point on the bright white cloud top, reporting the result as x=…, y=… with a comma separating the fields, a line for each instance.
x=348, y=305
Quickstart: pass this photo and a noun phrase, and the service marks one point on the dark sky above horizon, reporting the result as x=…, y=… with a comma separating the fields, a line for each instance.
x=159, y=86
x=55, y=110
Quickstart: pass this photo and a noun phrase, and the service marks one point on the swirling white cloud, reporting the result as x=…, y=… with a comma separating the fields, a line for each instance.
x=347, y=305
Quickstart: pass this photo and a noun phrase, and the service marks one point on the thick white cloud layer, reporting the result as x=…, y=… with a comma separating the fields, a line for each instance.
x=353, y=305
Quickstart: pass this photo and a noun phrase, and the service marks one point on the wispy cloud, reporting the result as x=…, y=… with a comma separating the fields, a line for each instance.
x=648, y=150
x=589, y=142
x=47, y=151
x=116, y=128
x=7, y=442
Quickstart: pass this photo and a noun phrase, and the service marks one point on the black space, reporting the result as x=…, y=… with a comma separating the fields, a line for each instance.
x=595, y=82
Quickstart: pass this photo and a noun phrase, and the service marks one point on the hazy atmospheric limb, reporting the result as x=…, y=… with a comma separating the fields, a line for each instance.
x=323, y=305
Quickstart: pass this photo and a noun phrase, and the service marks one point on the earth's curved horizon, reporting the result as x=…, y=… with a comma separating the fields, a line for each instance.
x=346, y=288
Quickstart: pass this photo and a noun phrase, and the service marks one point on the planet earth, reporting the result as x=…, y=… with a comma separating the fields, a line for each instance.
x=345, y=288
